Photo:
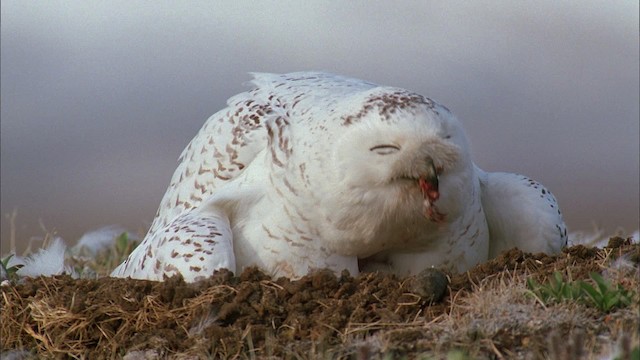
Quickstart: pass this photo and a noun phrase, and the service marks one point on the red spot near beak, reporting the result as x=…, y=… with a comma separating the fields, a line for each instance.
x=429, y=189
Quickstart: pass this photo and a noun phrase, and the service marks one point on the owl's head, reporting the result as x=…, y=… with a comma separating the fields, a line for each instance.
x=401, y=157
x=397, y=136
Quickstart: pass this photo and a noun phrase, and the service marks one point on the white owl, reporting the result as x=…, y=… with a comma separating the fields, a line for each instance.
x=312, y=170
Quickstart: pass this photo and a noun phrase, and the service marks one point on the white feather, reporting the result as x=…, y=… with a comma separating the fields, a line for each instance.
x=46, y=262
x=93, y=242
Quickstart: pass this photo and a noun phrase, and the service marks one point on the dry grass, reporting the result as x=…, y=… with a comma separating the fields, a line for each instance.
x=488, y=313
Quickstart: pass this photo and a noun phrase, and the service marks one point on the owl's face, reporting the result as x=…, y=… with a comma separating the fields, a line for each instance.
x=404, y=168
x=388, y=151
x=379, y=153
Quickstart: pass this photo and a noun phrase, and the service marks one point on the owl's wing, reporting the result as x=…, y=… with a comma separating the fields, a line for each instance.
x=227, y=143
x=195, y=244
x=521, y=213
x=231, y=138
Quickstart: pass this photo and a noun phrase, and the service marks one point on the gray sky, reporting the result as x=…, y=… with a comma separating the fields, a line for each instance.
x=99, y=98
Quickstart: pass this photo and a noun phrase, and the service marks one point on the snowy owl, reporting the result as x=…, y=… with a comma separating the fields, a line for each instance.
x=312, y=170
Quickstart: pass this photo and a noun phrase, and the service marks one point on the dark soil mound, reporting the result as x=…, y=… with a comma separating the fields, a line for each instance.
x=254, y=315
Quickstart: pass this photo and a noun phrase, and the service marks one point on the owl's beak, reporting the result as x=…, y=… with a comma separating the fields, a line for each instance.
x=429, y=182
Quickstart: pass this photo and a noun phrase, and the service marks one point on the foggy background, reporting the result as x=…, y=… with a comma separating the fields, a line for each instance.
x=98, y=99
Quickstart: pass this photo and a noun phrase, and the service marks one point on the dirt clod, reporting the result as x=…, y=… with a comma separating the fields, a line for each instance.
x=430, y=284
